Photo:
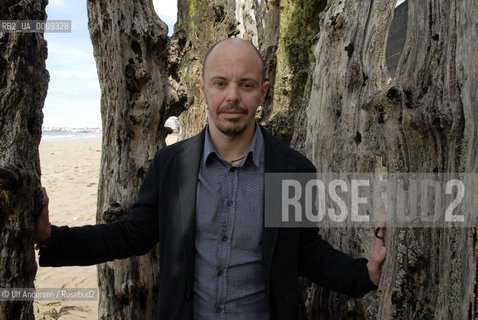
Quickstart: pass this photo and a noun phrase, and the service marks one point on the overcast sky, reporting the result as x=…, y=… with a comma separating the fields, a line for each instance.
x=73, y=98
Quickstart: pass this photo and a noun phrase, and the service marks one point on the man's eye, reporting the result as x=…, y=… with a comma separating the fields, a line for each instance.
x=247, y=85
x=219, y=84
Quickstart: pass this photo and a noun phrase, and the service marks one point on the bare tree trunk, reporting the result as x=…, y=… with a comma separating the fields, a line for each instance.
x=131, y=49
x=298, y=27
x=357, y=121
x=23, y=87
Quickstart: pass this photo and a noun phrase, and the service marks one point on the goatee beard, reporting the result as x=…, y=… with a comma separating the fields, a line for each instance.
x=231, y=132
x=235, y=130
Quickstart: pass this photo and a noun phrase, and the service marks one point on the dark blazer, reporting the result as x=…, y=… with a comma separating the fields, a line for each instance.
x=165, y=212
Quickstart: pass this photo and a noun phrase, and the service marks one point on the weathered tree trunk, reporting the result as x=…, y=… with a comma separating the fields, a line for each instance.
x=423, y=121
x=202, y=23
x=131, y=49
x=348, y=70
x=23, y=87
x=346, y=115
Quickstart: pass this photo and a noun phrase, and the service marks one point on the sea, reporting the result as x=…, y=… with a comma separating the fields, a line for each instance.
x=58, y=134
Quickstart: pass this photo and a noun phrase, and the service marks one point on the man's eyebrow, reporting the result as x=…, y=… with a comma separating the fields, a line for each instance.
x=213, y=78
x=248, y=79
x=217, y=78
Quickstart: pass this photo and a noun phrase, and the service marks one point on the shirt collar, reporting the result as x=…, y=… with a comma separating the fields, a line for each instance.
x=255, y=151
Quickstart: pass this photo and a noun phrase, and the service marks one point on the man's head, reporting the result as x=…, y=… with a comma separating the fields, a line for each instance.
x=259, y=55
x=233, y=85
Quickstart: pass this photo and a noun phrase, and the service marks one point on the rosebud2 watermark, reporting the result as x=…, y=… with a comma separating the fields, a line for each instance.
x=57, y=26
x=402, y=200
x=48, y=294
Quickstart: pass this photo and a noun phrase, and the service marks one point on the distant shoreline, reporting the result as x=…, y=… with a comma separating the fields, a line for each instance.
x=65, y=129
x=66, y=135
x=69, y=135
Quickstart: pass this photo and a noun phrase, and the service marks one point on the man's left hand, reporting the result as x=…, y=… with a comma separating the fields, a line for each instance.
x=377, y=257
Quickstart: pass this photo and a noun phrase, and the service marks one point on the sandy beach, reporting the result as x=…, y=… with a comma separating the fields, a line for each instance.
x=70, y=171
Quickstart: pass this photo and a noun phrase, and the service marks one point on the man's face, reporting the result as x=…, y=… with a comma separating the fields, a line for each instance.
x=233, y=87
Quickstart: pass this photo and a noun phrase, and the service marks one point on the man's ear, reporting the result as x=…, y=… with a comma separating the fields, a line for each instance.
x=265, y=87
x=201, y=87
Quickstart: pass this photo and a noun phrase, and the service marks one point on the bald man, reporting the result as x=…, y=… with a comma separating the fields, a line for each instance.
x=202, y=200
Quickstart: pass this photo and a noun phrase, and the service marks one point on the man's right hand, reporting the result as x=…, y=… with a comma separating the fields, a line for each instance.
x=42, y=231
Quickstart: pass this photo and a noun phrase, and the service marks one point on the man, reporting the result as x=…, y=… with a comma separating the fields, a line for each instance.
x=202, y=199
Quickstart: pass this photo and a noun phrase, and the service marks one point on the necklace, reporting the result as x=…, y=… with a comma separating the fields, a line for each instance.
x=232, y=161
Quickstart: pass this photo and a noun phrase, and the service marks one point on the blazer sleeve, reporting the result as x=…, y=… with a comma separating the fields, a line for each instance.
x=329, y=267
x=135, y=234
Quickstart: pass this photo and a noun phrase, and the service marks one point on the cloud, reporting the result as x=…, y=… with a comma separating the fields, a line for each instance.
x=60, y=53
x=56, y=4
x=64, y=112
x=399, y=2
x=72, y=72
x=73, y=101
x=74, y=94
x=166, y=9
x=74, y=86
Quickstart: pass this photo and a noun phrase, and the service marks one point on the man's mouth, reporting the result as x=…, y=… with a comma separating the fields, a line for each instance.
x=232, y=109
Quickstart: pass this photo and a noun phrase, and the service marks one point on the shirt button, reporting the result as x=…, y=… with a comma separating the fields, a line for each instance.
x=232, y=169
x=229, y=203
x=224, y=238
x=218, y=309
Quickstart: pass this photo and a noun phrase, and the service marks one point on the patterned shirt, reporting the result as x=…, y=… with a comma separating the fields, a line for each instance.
x=228, y=279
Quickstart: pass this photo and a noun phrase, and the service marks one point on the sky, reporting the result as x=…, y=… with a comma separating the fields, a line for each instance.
x=73, y=98
x=399, y=2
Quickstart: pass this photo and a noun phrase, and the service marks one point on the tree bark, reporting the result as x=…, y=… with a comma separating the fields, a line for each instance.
x=23, y=86
x=358, y=121
x=139, y=93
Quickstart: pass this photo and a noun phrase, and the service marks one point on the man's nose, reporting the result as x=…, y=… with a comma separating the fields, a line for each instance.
x=233, y=94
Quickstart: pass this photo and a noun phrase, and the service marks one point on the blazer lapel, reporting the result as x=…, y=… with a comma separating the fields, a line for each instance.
x=276, y=160
x=188, y=171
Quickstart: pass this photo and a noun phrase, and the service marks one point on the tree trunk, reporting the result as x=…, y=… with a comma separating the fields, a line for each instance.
x=357, y=121
x=23, y=87
x=346, y=115
x=131, y=49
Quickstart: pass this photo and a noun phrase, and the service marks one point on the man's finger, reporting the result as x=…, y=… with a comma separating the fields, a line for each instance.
x=381, y=255
x=46, y=200
x=42, y=229
x=380, y=234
